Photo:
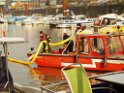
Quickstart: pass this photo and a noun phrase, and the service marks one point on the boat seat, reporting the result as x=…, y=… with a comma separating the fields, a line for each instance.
x=78, y=80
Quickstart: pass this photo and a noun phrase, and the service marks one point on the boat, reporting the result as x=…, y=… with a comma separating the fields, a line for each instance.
x=15, y=19
x=47, y=19
x=73, y=22
x=2, y=18
x=63, y=26
x=27, y=21
x=110, y=21
x=37, y=19
x=19, y=19
x=93, y=53
x=11, y=19
x=69, y=19
x=33, y=19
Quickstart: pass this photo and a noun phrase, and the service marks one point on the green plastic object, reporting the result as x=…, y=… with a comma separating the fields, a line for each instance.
x=77, y=80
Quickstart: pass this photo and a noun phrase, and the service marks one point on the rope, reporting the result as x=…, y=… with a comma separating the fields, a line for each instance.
x=61, y=42
x=33, y=57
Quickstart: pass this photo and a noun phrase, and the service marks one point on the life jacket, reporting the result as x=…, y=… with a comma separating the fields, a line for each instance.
x=45, y=46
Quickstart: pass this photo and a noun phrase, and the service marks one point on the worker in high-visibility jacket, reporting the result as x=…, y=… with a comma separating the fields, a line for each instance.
x=46, y=40
x=68, y=45
x=111, y=48
x=79, y=28
x=42, y=35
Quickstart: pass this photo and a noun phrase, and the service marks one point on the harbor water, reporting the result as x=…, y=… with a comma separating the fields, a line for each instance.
x=31, y=75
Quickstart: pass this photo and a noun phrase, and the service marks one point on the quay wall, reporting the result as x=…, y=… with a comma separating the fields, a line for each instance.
x=90, y=11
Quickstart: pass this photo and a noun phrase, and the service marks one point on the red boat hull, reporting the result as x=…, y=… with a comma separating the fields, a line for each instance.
x=94, y=52
x=60, y=61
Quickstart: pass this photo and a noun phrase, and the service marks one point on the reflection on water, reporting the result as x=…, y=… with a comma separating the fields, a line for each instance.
x=48, y=75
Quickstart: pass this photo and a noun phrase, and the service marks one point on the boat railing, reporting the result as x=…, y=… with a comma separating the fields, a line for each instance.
x=49, y=54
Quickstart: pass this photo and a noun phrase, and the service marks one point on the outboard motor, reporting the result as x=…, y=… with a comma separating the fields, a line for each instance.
x=6, y=81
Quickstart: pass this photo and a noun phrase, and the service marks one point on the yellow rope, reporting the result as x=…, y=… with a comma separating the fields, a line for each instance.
x=61, y=42
x=33, y=56
x=30, y=62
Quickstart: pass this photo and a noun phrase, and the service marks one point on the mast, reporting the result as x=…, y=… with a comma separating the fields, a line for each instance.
x=64, y=7
x=26, y=8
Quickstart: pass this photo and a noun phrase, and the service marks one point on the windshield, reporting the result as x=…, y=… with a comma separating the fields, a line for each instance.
x=114, y=45
x=97, y=45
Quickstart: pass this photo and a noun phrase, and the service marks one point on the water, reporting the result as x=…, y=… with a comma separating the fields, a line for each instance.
x=31, y=75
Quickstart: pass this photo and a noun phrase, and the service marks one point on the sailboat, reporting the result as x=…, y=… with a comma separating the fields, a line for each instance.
x=68, y=18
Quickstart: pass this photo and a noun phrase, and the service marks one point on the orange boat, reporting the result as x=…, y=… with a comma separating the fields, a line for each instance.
x=94, y=52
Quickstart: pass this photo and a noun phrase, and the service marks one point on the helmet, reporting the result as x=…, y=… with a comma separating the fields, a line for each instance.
x=79, y=24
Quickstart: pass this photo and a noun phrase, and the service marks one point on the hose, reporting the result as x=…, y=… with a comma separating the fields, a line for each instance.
x=33, y=57
x=61, y=42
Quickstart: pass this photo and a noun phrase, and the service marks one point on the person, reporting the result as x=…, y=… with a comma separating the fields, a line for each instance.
x=46, y=40
x=32, y=50
x=43, y=39
x=105, y=22
x=68, y=45
x=42, y=35
x=97, y=25
x=101, y=51
x=79, y=28
x=111, y=48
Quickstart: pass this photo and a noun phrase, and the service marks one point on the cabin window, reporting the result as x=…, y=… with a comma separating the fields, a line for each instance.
x=112, y=22
x=97, y=45
x=122, y=38
x=109, y=21
x=106, y=22
x=83, y=47
x=115, y=45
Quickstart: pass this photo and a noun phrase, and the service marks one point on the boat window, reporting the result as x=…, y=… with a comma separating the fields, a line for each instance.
x=106, y=22
x=114, y=45
x=109, y=21
x=83, y=46
x=122, y=38
x=112, y=22
x=97, y=45
x=82, y=18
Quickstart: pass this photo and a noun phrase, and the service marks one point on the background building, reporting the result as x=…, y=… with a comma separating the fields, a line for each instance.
x=41, y=6
x=54, y=2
